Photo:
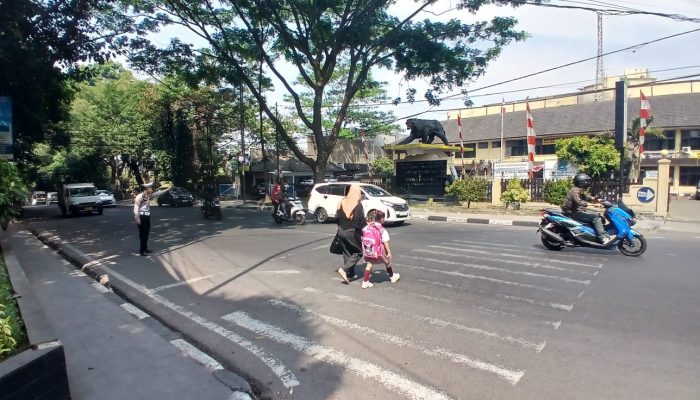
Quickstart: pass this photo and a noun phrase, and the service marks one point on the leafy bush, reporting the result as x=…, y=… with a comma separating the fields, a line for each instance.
x=515, y=193
x=12, y=334
x=383, y=167
x=555, y=191
x=12, y=191
x=469, y=189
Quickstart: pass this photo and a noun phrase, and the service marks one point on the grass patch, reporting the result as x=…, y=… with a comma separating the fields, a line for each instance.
x=12, y=336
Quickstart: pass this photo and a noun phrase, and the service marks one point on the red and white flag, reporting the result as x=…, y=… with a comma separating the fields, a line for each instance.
x=461, y=140
x=644, y=114
x=531, y=140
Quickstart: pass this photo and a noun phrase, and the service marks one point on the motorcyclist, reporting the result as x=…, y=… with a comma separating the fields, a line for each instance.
x=279, y=197
x=575, y=206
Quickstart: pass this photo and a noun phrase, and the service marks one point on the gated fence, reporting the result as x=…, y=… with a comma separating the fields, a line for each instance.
x=607, y=189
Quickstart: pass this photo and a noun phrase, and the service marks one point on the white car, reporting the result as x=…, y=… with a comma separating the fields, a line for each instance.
x=107, y=198
x=325, y=198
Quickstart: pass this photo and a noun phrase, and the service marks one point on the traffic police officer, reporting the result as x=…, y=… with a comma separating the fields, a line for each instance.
x=142, y=214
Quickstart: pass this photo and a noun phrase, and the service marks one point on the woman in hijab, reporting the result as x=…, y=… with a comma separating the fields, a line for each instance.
x=351, y=221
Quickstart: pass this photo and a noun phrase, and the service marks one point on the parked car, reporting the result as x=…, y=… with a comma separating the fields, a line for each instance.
x=52, y=198
x=176, y=197
x=107, y=198
x=697, y=192
x=38, y=198
x=326, y=196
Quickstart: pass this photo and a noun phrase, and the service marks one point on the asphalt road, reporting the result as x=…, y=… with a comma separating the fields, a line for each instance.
x=480, y=312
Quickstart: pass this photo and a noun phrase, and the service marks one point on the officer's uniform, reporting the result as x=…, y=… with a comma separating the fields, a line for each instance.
x=142, y=215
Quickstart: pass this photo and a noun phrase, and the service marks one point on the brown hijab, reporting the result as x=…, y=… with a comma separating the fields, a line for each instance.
x=349, y=202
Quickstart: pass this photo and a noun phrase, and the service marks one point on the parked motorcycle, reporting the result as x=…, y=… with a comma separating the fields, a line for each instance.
x=558, y=231
x=297, y=213
x=212, y=208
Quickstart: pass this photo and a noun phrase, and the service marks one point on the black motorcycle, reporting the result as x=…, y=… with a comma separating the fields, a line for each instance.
x=212, y=208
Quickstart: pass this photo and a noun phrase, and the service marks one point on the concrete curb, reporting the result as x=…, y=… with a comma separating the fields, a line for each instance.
x=483, y=221
x=207, y=341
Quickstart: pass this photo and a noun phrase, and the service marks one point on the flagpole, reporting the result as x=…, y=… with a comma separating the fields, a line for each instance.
x=503, y=112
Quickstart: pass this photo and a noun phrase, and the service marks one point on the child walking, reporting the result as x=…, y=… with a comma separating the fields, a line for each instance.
x=376, y=248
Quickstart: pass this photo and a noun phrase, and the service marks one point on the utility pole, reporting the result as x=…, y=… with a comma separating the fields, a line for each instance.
x=242, y=157
x=277, y=140
x=262, y=136
x=599, y=84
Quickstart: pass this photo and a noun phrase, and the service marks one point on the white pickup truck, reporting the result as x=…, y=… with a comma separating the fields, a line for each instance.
x=79, y=198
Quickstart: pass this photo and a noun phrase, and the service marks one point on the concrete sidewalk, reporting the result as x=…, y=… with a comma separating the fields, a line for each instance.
x=113, y=350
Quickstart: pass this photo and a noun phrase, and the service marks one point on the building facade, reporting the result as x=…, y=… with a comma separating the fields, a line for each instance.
x=675, y=107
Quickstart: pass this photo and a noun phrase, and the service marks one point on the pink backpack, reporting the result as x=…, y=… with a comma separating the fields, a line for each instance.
x=372, y=246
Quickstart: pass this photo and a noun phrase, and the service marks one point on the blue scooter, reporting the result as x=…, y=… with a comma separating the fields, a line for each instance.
x=558, y=230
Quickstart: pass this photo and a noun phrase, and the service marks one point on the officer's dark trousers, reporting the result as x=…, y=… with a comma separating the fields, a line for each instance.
x=144, y=230
x=592, y=218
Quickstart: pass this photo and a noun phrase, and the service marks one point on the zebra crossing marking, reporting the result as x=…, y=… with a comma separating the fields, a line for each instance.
x=506, y=261
x=558, y=306
x=479, y=277
x=512, y=376
x=553, y=260
x=537, y=347
x=364, y=369
x=498, y=269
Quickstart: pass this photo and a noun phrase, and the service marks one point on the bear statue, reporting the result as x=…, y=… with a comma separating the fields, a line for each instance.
x=425, y=130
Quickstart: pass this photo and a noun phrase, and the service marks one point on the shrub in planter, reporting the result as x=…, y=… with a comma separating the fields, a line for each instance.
x=514, y=194
x=555, y=191
x=12, y=336
x=469, y=189
x=12, y=192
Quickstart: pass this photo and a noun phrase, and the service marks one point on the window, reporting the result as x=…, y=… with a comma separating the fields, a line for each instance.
x=549, y=148
x=515, y=148
x=691, y=138
x=83, y=191
x=496, y=145
x=322, y=189
x=338, y=190
x=483, y=145
x=658, y=143
x=467, y=153
x=689, y=176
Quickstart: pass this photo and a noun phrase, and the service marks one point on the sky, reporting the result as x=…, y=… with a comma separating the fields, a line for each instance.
x=557, y=37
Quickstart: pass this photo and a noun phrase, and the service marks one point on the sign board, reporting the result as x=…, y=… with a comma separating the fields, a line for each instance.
x=652, y=174
x=620, y=114
x=645, y=194
x=546, y=142
x=422, y=177
x=559, y=169
x=6, y=150
x=509, y=170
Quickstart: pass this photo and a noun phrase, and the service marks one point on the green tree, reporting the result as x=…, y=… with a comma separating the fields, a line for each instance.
x=318, y=38
x=41, y=42
x=469, y=189
x=13, y=192
x=596, y=156
x=383, y=167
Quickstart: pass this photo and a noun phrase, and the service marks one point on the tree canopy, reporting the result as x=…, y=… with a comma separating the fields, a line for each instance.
x=594, y=156
x=317, y=38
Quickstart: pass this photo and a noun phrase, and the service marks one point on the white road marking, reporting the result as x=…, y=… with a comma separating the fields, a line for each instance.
x=524, y=250
x=552, y=260
x=509, y=375
x=100, y=288
x=497, y=269
x=506, y=261
x=500, y=222
x=558, y=306
x=555, y=324
x=281, y=271
x=366, y=370
x=180, y=283
x=442, y=323
x=197, y=354
x=240, y=396
x=285, y=375
x=135, y=311
x=479, y=277
x=325, y=246
x=581, y=294
x=483, y=309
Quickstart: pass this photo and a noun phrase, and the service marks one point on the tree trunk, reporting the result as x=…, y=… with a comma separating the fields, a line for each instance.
x=134, y=168
x=320, y=165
